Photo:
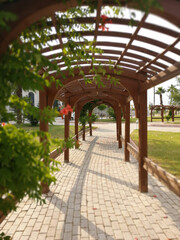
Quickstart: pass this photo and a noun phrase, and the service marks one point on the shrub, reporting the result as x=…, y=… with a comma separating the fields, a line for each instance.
x=21, y=167
x=167, y=118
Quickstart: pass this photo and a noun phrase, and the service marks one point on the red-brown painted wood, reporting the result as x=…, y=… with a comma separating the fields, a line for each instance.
x=90, y=124
x=43, y=127
x=119, y=128
x=143, y=175
x=127, y=132
x=162, y=114
x=76, y=123
x=66, y=135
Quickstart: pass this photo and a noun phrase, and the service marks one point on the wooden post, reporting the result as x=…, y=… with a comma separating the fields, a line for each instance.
x=119, y=128
x=90, y=124
x=143, y=175
x=117, y=125
x=127, y=132
x=66, y=135
x=43, y=102
x=83, y=135
x=76, y=123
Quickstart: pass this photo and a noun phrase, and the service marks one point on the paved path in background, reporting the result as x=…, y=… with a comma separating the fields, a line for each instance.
x=96, y=197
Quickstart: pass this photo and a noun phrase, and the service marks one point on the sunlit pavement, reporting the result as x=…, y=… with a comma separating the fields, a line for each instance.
x=96, y=197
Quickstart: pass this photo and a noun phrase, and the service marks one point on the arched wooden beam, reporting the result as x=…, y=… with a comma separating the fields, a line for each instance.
x=126, y=79
x=110, y=98
x=113, y=44
x=140, y=38
x=31, y=11
x=108, y=102
x=116, y=107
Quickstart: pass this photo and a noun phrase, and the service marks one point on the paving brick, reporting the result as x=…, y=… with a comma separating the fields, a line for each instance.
x=96, y=197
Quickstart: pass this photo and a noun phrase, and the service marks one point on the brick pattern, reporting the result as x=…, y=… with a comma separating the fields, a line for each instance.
x=96, y=197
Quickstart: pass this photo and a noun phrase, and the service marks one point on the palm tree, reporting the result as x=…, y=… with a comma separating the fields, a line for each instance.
x=172, y=90
x=160, y=91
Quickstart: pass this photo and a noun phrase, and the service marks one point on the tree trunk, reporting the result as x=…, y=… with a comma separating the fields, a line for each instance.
x=161, y=101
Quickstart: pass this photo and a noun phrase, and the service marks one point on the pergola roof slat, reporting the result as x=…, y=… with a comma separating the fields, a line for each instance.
x=160, y=54
x=131, y=39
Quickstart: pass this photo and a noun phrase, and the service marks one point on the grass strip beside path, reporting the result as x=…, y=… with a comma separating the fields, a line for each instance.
x=56, y=131
x=163, y=149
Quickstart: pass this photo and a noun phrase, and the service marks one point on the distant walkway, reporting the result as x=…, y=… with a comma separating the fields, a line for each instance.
x=96, y=197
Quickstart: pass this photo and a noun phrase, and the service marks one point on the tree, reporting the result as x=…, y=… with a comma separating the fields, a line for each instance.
x=87, y=116
x=174, y=93
x=159, y=92
x=102, y=107
x=111, y=113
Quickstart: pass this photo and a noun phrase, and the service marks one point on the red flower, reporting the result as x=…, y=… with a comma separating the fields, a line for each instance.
x=3, y=124
x=61, y=115
x=103, y=28
x=65, y=110
x=68, y=107
x=104, y=18
x=104, y=21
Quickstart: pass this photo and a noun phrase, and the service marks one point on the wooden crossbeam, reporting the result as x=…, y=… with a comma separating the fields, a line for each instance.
x=131, y=39
x=58, y=34
x=81, y=86
x=159, y=55
x=98, y=16
x=163, y=76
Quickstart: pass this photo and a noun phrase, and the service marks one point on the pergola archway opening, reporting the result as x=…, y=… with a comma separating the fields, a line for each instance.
x=147, y=55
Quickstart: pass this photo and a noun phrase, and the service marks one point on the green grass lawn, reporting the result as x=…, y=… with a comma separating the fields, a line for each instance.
x=56, y=131
x=163, y=149
x=132, y=120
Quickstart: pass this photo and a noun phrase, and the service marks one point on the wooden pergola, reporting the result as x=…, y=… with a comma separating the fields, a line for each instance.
x=142, y=65
x=162, y=108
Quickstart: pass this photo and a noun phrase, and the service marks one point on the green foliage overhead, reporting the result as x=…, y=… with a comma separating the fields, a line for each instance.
x=5, y=18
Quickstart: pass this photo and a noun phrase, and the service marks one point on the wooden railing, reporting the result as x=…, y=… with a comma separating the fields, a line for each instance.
x=55, y=153
x=166, y=178
x=133, y=150
x=162, y=175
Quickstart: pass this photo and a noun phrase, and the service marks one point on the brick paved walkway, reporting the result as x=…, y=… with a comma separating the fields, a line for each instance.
x=96, y=197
